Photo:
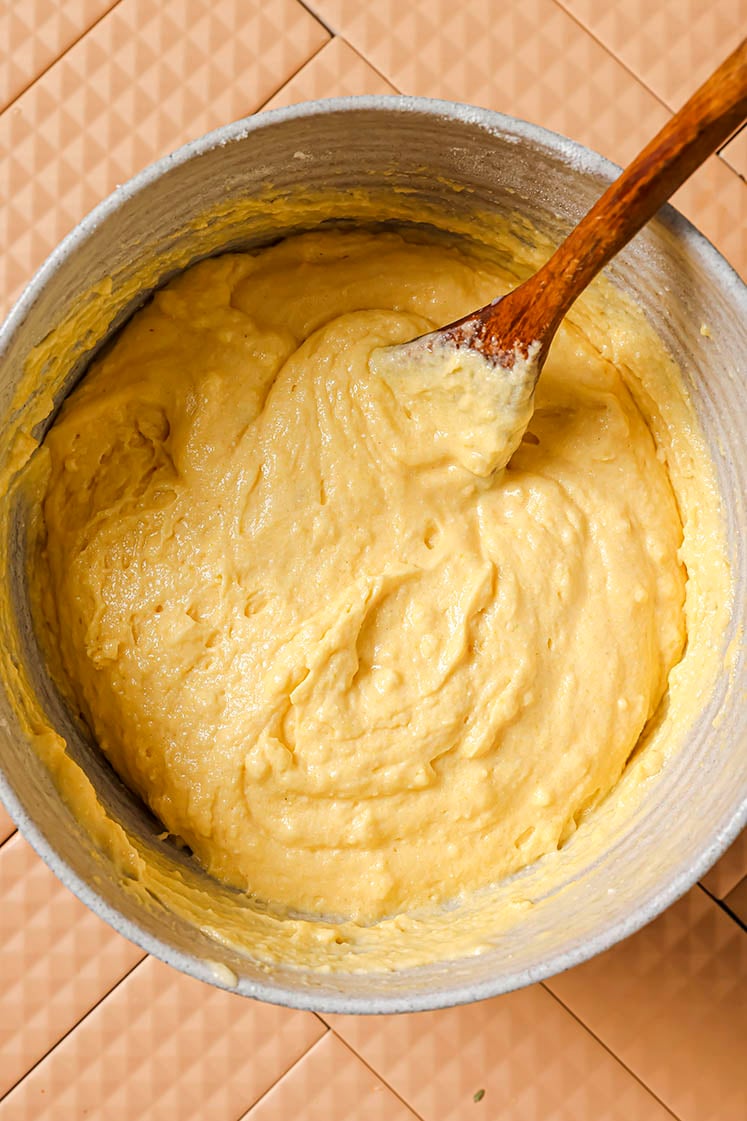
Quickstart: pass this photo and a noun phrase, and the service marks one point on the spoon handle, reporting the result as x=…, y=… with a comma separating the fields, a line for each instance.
x=704, y=123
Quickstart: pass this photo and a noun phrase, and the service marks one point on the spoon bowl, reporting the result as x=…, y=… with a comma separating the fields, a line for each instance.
x=515, y=331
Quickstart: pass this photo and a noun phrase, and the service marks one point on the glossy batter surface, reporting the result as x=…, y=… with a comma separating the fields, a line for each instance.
x=352, y=666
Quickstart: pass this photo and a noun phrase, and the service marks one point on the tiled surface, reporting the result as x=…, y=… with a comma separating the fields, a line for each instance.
x=162, y=1045
x=654, y=1029
x=58, y=960
x=735, y=152
x=336, y=67
x=6, y=826
x=736, y=901
x=145, y=79
x=670, y=45
x=528, y=59
x=534, y=1061
x=35, y=33
x=532, y=59
x=670, y=1002
x=330, y=1081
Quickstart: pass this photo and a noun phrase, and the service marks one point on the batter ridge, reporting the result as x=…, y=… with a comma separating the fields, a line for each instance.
x=354, y=659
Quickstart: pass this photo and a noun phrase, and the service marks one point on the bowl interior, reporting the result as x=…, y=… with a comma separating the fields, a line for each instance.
x=351, y=161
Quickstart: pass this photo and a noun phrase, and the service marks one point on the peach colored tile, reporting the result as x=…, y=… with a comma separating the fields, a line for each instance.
x=57, y=959
x=670, y=1003
x=736, y=901
x=735, y=152
x=330, y=1082
x=533, y=60
x=142, y=81
x=532, y=1059
x=715, y=200
x=6, y=826
x=729, y=870
x=164, y=1046
x=35, y=33
x=336, y=71
x=529, y=59
x=671, y=45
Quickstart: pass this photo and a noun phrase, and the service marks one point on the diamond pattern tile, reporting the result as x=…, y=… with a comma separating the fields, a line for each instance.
x=735, y=152
x=33, y=34
x=534, y=61
x=57, y=958
x=715, y=200
x=533, y=1061
x=145, y=79
x=336, y=71
x=6, y=826
x=531, y=60
x=670, y=1002
x=164, y=1046
x=729, y=870
x=330, y=1082
x=736, y=901
x=671, y=45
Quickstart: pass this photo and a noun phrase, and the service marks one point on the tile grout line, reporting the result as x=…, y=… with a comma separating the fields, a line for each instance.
x=315, y=15
x=641, y=82
x=105, y=997
x=68, y=48
x=247, y=1112
x=723, y=905
x=375, y=1072
x=333, y=36
x=73, y=1027
x=612, y=53
x=368, y=62
x=353, y=47
x=732, y=138
x=609, y=1051
x=290, y=77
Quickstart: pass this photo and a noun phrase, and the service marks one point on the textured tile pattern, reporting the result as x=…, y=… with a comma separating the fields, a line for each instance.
x=736, y=901
x=531, y=1058
x=534, y=61
x=6, y=826
x=735, y=152
x=670, y=1002
x=670, y=45
x=336, y=67
x=330, y=1082
x=57, y=959
x=164, y=1046
x=36, y=32
x=527, y=59
x=146, y=78
x=715, y=200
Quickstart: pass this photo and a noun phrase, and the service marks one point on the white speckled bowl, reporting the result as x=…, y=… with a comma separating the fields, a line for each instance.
x=696, y=805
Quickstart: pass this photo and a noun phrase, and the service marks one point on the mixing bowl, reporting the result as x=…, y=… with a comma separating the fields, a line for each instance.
x=250, y=183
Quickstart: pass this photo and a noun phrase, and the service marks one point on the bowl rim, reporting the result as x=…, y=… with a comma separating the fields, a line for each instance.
x=580, y=158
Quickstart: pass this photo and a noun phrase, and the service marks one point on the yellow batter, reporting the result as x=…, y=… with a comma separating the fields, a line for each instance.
x=352, y=666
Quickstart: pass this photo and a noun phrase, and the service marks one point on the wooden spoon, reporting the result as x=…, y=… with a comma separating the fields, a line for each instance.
x=514, y=332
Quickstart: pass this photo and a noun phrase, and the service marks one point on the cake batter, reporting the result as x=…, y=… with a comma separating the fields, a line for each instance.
x=353, y=661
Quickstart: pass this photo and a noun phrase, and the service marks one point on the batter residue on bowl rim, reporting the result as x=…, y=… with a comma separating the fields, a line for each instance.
x=131, y=854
